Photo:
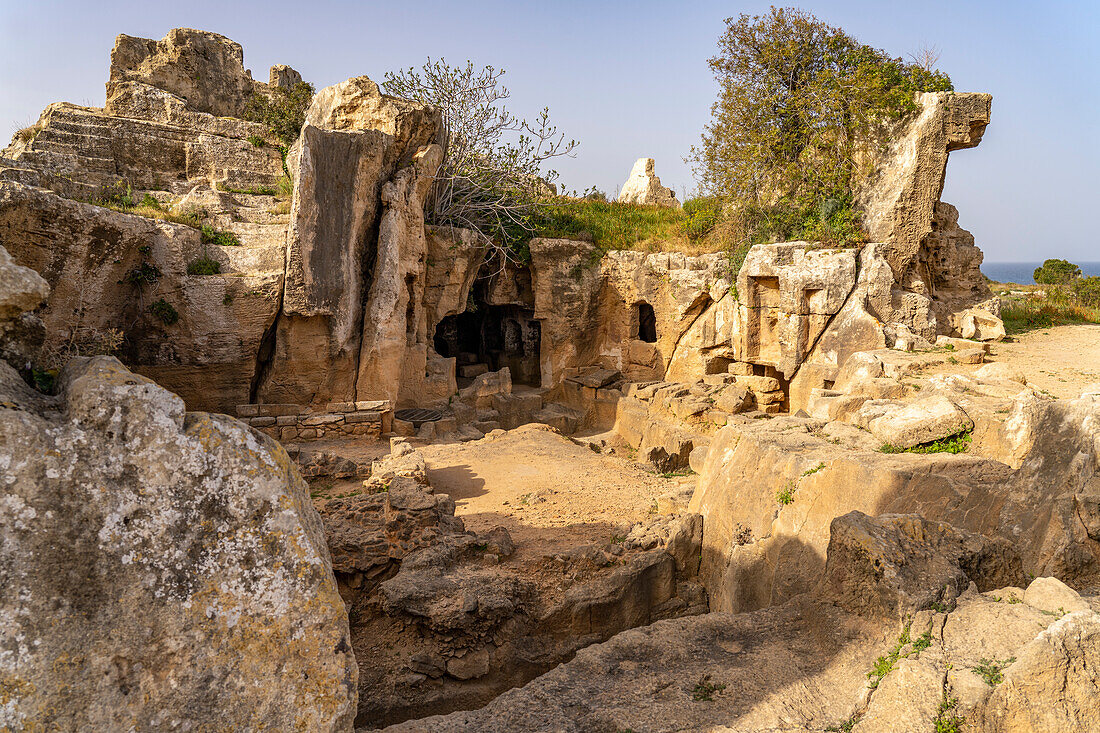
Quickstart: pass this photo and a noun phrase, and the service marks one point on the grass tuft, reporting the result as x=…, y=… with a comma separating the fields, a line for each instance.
x=954, y=444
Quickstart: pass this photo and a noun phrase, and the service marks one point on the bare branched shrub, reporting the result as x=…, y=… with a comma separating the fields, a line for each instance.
x=926, y=57
x=492, y=179
x=81, y=342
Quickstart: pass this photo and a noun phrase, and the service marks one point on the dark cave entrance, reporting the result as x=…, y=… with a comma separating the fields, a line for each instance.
x=647, y=323
x=492, y=337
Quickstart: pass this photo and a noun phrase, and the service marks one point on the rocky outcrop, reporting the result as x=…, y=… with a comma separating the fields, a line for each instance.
x=353, y=142
x=107, y=269
x=204, y=69
x=449, y=618
x=919, y=234
x=837, y=657
x=644, y=187
x=159, y=567
x=769, y=488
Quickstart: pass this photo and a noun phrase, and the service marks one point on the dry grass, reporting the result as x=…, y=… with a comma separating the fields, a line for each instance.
x=611, y=225
x=1029, y=307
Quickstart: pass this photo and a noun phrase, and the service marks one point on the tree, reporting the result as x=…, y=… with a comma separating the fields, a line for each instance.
x=800, y=103
x=492, y=179
x=1056, y=272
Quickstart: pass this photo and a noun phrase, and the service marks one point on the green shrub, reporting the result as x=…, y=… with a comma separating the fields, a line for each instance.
x=704, y=689
x=146, y=272
x=954, y=444
x=991, y=670
x=1056, y=272
x=203, y=266
x=701, y=215
x=116, y=195
x=283, y=112
x=257, y=141
x=1087, y=290
x=800, y=105
x=251, y=190
x=210, y=235
x=163, y=310
x=151, y=201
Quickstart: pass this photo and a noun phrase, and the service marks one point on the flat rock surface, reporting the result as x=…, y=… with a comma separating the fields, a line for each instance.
x=549, y=492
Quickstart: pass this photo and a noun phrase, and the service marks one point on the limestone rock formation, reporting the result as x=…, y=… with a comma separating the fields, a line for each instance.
x=836, y=657
x=644, y=187
x=205, y=69
x=449, y=618
x=108, y=268
x=354, y=140
x=159, y=568
x=769, y=488
x=22, y=290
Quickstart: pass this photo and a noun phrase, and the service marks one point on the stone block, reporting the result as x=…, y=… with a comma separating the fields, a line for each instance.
x=262, y=422
x=323, y=419
x=277, y=410
x=469, y=371
x=286, y=420
x=248, y=410
x=379, y=405
x=366, y=416
x=341, y=407
x=758, y=384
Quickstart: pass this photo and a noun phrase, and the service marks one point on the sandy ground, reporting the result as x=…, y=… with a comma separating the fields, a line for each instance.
x=1061, y=360
x=549, y=492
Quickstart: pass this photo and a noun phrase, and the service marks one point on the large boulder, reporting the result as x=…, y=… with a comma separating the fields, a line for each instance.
x=905, y=425
x=644, y=187
x=159, y=569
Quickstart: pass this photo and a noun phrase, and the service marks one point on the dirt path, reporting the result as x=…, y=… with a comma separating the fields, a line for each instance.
x=1061, y=360
x=550, y=493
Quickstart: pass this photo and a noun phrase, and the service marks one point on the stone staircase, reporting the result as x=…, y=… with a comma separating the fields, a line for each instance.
x=77, y=150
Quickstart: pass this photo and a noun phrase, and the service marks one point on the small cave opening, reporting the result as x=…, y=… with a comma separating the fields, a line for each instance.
x=492, y=337
x=647, y=323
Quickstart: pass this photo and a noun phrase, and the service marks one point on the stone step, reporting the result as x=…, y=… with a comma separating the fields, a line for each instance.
x=255, y=259
x=46, y=159
x=79, y=123
x=99, y=149
x=258, y=235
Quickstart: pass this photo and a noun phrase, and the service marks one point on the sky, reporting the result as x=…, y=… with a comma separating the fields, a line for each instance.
x=630, y=80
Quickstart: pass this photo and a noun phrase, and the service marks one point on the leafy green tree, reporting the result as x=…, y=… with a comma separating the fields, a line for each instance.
x=1056, y=272
x=801, y=103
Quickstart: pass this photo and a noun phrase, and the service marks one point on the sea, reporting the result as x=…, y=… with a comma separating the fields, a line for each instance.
x=1020, y=272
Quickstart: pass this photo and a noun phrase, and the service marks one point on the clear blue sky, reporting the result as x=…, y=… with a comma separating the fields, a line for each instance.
x=629, y=79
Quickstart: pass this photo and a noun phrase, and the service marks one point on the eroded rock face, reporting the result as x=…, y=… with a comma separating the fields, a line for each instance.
x=769, y=488
x=159, y=568
x=810, y=664
x=354, y=140
x=107, y=268
x=448, y=619
x=203, y=68
x=22, y=290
